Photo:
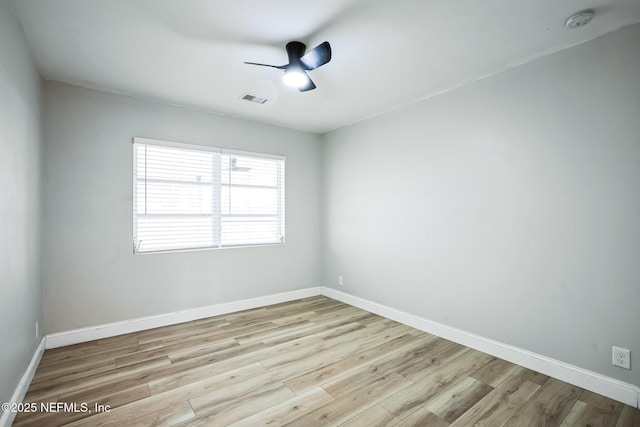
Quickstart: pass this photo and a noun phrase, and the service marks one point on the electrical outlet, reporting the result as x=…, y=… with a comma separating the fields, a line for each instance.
x=621, y=357
x=37, y=330
x=340, y=281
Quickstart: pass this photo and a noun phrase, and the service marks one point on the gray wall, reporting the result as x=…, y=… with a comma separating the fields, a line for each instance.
x=91, y=275
x=20, y=285
x=509, y=207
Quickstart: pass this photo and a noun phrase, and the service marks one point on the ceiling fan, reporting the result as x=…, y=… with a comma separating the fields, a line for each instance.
x=295, y=72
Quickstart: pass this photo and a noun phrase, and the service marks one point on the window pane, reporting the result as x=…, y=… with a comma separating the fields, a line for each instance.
x=245, y=231
x=249, y=170
x=167, y=233
x=249, y=200
x=186, y=197
x=174, y=164
x=163, y=198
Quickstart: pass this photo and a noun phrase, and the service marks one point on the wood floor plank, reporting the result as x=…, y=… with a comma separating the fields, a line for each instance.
x=274, y=332
x=242, y=406
x=305, y=316
x=532, y=376
x=240, y=316
x=593, y=399
x=119, y=340
x=291, y=335
x=233, y=331
x=87, y=355
x=500, y=405
x=458, y=399
x=598, y=411
x=177, y=330
x=289, y=410
x=420, y=418
x=596, y=417
x=173, y=414
x=430, y=360
x=548, y=407
x=88, y=348
x=111, y=400
x=319, y=376
x=172, y=369
x=127, y=414
x=66, y=373
x=188, y=370
x=311, y=362
x=435, y=382
x=327, y=313
x=106, y=400
x=205, y=355
x=356, y=382
x=340, y=316
x=70, y=369
x=372, y=389
x=574, y=414
x=180, y=332
x=630, y=417
x=192, y=375
x=166, y=415
x=208, y=345
x=205, y=404
x=320, y=325
x=494, y=372
x=367, y=336
x=102, y=379
x=326, y=353
x=375, y=416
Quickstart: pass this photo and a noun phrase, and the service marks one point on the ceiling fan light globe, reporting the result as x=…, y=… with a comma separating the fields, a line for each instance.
x=294, y=78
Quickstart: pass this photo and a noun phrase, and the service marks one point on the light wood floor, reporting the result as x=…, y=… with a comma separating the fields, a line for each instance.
x=311, y=362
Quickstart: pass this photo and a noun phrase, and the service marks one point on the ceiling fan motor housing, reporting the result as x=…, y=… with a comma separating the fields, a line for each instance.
x=295, y=51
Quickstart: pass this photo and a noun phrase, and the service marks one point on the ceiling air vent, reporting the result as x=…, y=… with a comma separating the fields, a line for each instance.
x=253, y=98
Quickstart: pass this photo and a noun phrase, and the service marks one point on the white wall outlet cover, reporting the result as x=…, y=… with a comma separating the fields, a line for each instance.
x=340, y=281
x=621, y=357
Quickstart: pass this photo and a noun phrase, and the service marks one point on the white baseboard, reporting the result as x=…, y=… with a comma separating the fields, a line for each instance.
x=6, y=418
x=76, y=336
x=597, y=383
x=610, y=387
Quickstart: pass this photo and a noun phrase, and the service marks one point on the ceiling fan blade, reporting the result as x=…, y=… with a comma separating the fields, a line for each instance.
x=317, y=56
x=280, y=67
x=308, y=86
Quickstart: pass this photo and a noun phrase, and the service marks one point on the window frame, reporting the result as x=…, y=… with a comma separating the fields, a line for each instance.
x=217, y=188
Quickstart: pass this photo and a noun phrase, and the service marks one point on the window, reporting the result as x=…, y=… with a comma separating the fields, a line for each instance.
x=196, y=197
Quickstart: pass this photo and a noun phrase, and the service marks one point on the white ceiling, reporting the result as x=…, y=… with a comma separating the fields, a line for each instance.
x=385, y=53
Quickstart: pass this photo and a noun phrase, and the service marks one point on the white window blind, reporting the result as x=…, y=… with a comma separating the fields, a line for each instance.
x=196, y=197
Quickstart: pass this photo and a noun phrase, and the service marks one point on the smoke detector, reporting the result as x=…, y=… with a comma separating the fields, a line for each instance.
x=579, y=19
